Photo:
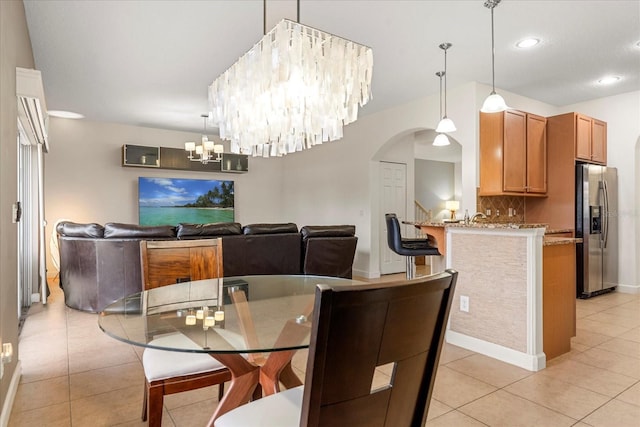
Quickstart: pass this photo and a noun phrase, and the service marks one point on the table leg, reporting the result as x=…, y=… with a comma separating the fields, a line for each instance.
x=278, y=369
x=244, y=379
x=289, y=378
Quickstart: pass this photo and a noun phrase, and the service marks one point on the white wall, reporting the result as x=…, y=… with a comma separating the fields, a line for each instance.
x=335, y=183
x=434, y=184
x=622, y=114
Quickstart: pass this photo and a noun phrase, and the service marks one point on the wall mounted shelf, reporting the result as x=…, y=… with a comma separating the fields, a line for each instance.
x=176, y=159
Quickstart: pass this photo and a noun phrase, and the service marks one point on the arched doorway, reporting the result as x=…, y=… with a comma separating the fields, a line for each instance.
x=412, y=149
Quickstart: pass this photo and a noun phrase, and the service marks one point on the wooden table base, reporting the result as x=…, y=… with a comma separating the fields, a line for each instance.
x=269, y=372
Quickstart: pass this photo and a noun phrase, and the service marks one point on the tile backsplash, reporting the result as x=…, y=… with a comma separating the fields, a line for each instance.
x=499, y=207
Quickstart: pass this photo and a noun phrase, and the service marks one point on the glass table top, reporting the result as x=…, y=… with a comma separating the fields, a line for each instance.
x=256, y=314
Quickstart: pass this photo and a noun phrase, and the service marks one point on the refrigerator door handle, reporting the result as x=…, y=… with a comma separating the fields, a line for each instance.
x=605, y=214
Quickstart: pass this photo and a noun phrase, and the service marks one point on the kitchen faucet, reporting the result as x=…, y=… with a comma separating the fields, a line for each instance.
x=478, y=216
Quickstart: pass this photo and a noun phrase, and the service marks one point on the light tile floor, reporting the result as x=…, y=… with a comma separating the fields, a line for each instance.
x=75, y=375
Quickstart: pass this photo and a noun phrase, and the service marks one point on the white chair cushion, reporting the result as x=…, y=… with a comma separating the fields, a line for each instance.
x=163, y=364
x=278, y=410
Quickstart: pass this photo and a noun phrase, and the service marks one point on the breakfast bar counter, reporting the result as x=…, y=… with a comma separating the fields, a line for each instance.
x=515, y=296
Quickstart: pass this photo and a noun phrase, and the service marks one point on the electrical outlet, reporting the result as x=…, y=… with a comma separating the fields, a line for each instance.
x=511, y=212
x=488, y=212
x=464, y=303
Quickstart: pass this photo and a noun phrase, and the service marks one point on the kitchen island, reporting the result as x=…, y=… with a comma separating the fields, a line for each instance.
x=504, y=298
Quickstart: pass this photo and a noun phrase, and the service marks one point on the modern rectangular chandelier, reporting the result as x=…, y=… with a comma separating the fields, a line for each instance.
x=296, y=88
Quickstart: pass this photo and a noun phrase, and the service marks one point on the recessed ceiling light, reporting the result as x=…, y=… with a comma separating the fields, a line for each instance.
x=527, y=42
x=638, y=44
x=65, y=114
x=608, y=80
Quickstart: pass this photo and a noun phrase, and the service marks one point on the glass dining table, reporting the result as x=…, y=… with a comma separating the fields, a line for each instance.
x=251, y=324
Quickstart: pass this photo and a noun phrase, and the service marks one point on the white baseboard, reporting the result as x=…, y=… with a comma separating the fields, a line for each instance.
x=628, y=289
x=526, y=361
x=365, y=274
x=11, y=395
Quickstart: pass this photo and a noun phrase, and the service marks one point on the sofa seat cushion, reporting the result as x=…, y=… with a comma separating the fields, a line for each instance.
x=72, y=229
x=186, y=231
x=163, y=364
x=288, y=227
x=114, y=230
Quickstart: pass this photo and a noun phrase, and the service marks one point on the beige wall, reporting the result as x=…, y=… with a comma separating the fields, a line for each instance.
x=622, y=114
x=329, y=184
x=15, y=51
x=85, y=180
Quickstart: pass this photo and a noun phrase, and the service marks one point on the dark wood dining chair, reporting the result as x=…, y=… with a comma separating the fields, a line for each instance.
x=355, y=330
x=167, y=372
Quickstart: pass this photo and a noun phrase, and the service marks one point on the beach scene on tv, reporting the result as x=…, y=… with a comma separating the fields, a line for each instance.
x=169, y=201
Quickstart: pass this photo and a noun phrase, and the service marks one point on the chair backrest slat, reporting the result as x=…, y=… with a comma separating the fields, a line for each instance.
x=172, y=261
x=359, y=328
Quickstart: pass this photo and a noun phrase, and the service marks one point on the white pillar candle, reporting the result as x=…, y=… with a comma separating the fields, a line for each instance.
x=199, y=314
x=190, y=320
x=219, y=316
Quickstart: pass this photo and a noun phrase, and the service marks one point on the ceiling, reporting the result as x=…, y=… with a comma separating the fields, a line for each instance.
x=149, y=63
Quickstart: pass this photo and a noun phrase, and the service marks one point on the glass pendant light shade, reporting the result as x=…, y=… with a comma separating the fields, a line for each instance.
x=494, y=104
x=441, y=140
x=445, y=125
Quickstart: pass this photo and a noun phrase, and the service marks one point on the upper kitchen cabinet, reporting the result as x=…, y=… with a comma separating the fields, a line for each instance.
x=572, y=138
x=590, y=137
x=513, y=154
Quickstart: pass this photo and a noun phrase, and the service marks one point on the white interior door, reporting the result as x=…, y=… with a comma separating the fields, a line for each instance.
x=393, y=190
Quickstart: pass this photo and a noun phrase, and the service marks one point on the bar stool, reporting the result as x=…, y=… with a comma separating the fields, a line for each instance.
x=409, y=248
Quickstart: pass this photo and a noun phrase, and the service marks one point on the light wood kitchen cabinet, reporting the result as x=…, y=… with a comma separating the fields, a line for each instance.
x=513, y=154
x=558, y=299
x=590, y=139
x=571, y=138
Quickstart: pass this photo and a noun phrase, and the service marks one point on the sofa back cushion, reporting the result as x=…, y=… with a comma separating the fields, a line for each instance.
x=186, y=231
x=72, y=229
x=288, y=227
x=328, y=250
x=278, y=253
x=114, y=230
x=310, y=231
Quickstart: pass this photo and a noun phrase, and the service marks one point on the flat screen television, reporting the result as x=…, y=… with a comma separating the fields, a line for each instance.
x=169, y=201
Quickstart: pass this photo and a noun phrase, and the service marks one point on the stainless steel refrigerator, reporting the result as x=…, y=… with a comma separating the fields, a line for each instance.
x=597, y=225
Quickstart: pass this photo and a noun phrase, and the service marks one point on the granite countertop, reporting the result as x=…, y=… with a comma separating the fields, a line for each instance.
x=558, y=230
x=550, y=240
x=511, y=225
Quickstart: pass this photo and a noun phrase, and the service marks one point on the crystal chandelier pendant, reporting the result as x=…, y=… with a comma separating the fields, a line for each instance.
x=296, y=88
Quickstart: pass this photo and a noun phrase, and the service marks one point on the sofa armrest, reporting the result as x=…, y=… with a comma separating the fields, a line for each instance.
x=73, y=229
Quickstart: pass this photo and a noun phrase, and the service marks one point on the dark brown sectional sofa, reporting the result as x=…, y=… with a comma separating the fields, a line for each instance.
x=101, y=264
